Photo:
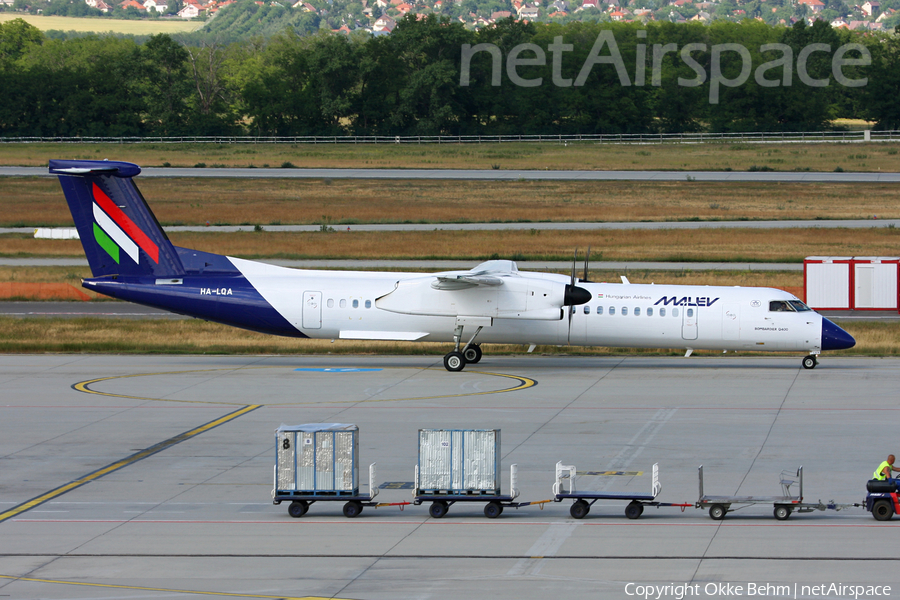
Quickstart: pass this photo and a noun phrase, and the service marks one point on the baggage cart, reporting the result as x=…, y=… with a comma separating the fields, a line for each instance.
x=319, y=462
x=463, y=465
x=583, y=501
x=784, y=505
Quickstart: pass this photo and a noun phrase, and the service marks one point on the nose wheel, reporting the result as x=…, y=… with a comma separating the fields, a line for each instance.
x=810, y=362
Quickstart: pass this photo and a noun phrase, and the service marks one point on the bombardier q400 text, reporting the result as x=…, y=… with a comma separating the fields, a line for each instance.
x=132, y=259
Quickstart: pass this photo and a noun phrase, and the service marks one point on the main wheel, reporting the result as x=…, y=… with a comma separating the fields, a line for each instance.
x=492, y=510
x=352, y=509
x=454, y=361
x=882, y=510
x=634, y=510
x=437, y=509
x=298, y=508
x=717, y=512
x=579, y=509
x=782, y=512
x=472, y=354
x=809, y=362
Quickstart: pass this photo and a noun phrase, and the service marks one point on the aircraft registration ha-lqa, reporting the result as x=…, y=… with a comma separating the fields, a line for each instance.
x=131, y=258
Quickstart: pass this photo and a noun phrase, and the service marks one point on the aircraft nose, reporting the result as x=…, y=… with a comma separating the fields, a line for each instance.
x=835, y=338
x=576, y=295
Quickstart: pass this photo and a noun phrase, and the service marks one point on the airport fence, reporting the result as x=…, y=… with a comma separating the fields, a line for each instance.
x=637, y=138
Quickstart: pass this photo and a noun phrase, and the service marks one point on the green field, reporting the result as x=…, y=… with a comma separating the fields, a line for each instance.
x=104, y=25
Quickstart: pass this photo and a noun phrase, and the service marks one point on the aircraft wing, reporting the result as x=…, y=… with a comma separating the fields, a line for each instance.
x=494, y=289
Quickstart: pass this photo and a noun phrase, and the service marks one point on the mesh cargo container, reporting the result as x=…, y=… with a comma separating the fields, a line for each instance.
x=458, y=461
x=317, y=459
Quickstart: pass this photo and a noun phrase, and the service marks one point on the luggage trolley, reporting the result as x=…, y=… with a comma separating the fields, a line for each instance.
x=584, y=500
x=319, y=462
x=463, y=465
x=783, y=505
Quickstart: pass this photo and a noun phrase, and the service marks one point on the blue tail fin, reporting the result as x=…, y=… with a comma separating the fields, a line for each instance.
x=119, y=233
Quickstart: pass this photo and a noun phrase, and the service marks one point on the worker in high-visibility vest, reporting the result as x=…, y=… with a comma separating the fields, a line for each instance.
x=883, y=472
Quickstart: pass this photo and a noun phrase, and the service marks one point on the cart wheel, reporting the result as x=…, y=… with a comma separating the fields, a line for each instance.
x=579, y=509
x=492, y=510
x=438, y=509
x=717, y=512
x=352, y=509
x=782, y=512
x=634, y=510
x=298, y=508
x=882, y=510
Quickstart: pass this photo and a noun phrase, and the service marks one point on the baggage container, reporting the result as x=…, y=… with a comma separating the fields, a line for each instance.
x=458, y=462
x=317, y=459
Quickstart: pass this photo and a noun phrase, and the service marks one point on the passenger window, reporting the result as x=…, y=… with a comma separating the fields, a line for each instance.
x=650, y=311
x=368, y=304
x=637, y=311
x=343, y=303
x=587, y=310
x=612, y=310
x=674, y=312
x=599, y=310
x=330, y=303
x=662, y=311
x=690, y=312
x=356, y=304
x=624, y=310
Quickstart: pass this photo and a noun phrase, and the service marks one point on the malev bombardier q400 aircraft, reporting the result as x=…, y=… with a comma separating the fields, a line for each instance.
x=132, y=259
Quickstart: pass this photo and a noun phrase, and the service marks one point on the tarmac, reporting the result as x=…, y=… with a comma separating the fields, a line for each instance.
x=151, y=477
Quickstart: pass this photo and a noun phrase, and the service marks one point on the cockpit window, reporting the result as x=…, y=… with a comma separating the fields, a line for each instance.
x=799, y=306
x=780, y=306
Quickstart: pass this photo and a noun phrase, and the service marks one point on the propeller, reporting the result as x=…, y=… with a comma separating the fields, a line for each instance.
x=574, y=295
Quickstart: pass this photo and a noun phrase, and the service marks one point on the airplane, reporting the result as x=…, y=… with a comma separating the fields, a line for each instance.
x=132, y=259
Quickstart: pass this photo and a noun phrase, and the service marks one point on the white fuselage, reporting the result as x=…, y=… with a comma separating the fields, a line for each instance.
x=344, y=305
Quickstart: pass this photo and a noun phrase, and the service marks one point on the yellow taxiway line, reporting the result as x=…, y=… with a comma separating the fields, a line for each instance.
x=47, y=496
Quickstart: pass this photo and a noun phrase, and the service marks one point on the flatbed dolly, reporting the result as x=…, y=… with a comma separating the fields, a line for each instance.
x=494, y=503
x=784, y=505
x=583, y=501
x=301, y=500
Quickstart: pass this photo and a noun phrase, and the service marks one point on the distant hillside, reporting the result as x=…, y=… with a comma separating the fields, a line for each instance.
x=248, y=19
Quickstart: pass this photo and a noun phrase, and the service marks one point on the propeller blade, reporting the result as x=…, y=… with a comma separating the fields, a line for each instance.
x=587, y=257
x=571, y=309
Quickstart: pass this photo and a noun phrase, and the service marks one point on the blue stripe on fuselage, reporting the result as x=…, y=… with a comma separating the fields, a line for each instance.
x=230, y=300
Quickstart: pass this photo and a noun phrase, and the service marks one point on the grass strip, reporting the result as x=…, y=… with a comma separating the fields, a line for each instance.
x=715, y=156
x=33, y=201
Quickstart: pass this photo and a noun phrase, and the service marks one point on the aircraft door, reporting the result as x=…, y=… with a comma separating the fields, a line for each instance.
x=312, y=310
x=689, y=323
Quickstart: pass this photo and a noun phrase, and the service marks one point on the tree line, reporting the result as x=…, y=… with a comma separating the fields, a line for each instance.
x=432, y=76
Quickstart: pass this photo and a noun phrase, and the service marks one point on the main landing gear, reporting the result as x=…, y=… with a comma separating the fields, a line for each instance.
x=470, y=353
x=810, y=362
